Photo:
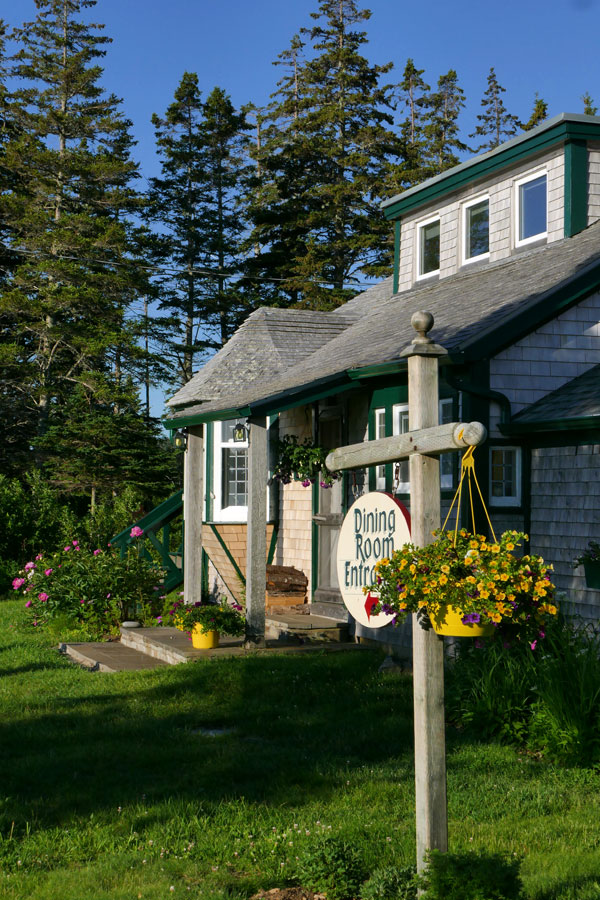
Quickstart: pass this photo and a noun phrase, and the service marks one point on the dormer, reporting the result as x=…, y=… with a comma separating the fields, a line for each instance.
x=537, y=188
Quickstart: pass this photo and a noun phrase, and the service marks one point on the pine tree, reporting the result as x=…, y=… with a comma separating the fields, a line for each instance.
x=70, y=206
x=495, y=122
x=414, y=93
x=588, y=105
x=538, y=114
x=329, y=160
x=201, y=149
x=442, y=130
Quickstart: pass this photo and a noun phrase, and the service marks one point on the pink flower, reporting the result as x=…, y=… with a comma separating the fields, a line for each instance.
x=108, y=596
x=29, y=566
x=43, y=597
x=39, y=556
x=28, y=603
x=75, y=543
x=533, y=645
x=67, y=548
x=82, y=602
x=48, y=572
x=17, y=583
x=136, y=531
x=97, y=552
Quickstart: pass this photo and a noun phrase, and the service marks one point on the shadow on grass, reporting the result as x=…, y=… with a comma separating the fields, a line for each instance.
x=584, y=888
x=292, y=728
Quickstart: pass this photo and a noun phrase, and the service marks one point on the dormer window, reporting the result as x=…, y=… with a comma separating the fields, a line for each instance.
x=476, y=229
x=428, y=248
x=531, y=208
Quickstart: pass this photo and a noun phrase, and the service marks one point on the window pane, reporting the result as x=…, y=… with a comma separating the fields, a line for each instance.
x=503, y=473
x=430, y=248
x=532, y=208
x=235, y=477
x=477, y=229
x=446, y=459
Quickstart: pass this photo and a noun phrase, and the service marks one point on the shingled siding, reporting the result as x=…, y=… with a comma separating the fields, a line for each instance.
x=547, y=358
x=565, y=513
x=593, y=183
x=294, y=543
x=501, y=193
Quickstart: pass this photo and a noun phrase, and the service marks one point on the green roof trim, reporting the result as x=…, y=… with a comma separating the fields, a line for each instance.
x=576, y=187
x=580, y=423
x=184, y=421
x=566, y=127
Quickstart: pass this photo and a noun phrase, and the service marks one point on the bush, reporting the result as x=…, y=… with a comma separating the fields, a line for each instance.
x=471, y=876
x=391, y=883
x=95, y=589
x=332, y=866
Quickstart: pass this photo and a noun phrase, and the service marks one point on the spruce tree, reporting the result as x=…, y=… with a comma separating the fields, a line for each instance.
x=69, y=209
x=442, y=129
x=195, y=203
x=588, y=105
x=538, y=115
x=413, y=92
x=495, y=122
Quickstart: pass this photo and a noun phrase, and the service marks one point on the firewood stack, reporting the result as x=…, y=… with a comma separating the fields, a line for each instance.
x=286, y=588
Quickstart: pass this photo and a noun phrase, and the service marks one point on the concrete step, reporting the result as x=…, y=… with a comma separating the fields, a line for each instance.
x=111, y=656
x=303, y=628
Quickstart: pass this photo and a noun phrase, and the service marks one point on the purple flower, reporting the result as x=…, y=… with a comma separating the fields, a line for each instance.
x=159, y=618
x=471, y=619
x=306, y=482
x=43, y=597
x=17, y=583
x=136, y=531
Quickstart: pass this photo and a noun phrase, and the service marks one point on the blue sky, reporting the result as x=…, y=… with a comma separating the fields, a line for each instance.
x=548, y=46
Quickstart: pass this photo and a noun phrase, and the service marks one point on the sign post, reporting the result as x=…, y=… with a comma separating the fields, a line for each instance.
x=422, y=445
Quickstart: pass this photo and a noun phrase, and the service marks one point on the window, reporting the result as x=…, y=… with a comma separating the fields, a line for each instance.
x=230, y=474
x=476, y=229
x=505, y=476
x=531, y=209
x=380, y=480
x=401, y=469
x=428, y=248
x=447, y=460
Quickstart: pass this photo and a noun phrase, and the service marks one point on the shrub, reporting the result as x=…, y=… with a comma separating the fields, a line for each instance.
x=391, y=883
x=471, y=876
x=332, y=866
x=96, y=589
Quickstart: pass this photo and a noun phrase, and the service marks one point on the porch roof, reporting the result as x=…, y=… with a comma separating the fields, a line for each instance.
x=574, y=405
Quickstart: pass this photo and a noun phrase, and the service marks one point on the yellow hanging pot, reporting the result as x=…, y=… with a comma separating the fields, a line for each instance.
x=447, y=620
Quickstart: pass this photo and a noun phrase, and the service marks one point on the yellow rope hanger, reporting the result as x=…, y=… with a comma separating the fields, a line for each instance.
x=468, y=468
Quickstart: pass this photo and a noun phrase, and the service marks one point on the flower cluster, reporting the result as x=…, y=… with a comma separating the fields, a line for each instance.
x=212, y=617
x=485, y=579
x=301, y=461
x=590, y=554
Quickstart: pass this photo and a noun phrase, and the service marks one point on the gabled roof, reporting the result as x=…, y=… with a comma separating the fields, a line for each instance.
x=574, y=405
x=477, y=313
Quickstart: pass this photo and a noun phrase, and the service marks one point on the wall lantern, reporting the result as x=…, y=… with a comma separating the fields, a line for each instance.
x=240, y=433
x=180, y=440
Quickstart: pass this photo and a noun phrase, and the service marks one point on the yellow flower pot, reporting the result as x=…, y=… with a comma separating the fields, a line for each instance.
x=447, y=620
x=204, y=640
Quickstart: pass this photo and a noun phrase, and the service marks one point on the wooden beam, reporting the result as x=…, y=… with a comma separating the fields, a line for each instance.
x=193, y=508
x=256, y=555
x=431, y=441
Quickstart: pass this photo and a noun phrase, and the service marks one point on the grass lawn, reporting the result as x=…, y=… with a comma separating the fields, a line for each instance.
x=116, y=786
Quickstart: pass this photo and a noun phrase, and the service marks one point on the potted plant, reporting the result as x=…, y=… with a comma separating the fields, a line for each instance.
x=301, y=461
x=465, y=585
x=205, y=622
x=590, y=560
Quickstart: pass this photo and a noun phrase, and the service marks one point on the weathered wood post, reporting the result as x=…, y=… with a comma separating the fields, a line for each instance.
x=428, y=649
x=256, y=551
x=193, y=508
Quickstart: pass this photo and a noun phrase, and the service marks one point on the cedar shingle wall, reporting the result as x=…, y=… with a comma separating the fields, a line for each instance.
x=224, y=574
x=294, y=543
x=565, y=514
x=547, y=358
x=501, y=192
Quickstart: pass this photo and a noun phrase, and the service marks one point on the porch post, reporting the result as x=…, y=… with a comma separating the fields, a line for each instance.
x=256, y=552
x=193, y=509
x=428, y=648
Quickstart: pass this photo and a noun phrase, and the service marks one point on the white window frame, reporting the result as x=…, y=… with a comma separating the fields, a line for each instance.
x=380, y=479
x=465, y=209
x=515, y=499
x=420, y=227
x=403, y=487
x=447, y=479
x=227, y=513
x=531, y=176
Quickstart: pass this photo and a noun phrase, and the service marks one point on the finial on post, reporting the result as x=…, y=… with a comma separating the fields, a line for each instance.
x=422, y=345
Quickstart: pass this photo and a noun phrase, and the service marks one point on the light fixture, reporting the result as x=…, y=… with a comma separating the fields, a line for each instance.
x=180, y=440
x=240, y=433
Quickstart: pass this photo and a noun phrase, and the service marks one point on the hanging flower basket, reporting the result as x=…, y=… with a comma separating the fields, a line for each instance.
x=464, y=585
x=590, y=560
x=301, y=461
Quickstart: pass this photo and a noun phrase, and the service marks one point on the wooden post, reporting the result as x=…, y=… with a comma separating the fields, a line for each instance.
x=193, y=508
x=256, y=553
x=428, y=648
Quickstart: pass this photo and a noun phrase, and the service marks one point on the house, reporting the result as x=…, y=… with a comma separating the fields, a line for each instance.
x=504, y=250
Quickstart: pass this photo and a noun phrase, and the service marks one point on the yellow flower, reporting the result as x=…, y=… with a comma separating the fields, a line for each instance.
x=473, y=545
x=484, y=594
x=422, y=603
x=502, y=609
x=442, y=579
x=495, y=548
x=510, y=546
x=446, y=569
x=483, y=546
x=494, y=616
x=503, y=576
x=413, y=569
x=471, y=579
x=403, y=564
x=401, y=606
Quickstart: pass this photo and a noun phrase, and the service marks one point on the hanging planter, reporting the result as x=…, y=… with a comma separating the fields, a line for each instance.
x=590, y=560
x=301, y=461
x=464, y=585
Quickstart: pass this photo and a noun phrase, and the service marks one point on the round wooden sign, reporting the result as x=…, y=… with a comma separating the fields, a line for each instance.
x=374, y=526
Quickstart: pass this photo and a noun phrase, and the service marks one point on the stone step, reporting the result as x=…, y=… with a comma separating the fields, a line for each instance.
x=302, y=628
x=111, y=656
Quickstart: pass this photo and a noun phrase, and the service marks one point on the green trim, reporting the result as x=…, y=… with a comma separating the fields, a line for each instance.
x=547, y=307
x=561, y=439
x=228, y=553
x=576, y=187
x=210, y=470
x=396, y=279
x=314, y=569
x=376, y=371
x=184, y=421
x=302, y=396
x=574, y=424
x=541, y=139
x=384, y=398
x=526, y=493
x=273, y=543
x=204, y=574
